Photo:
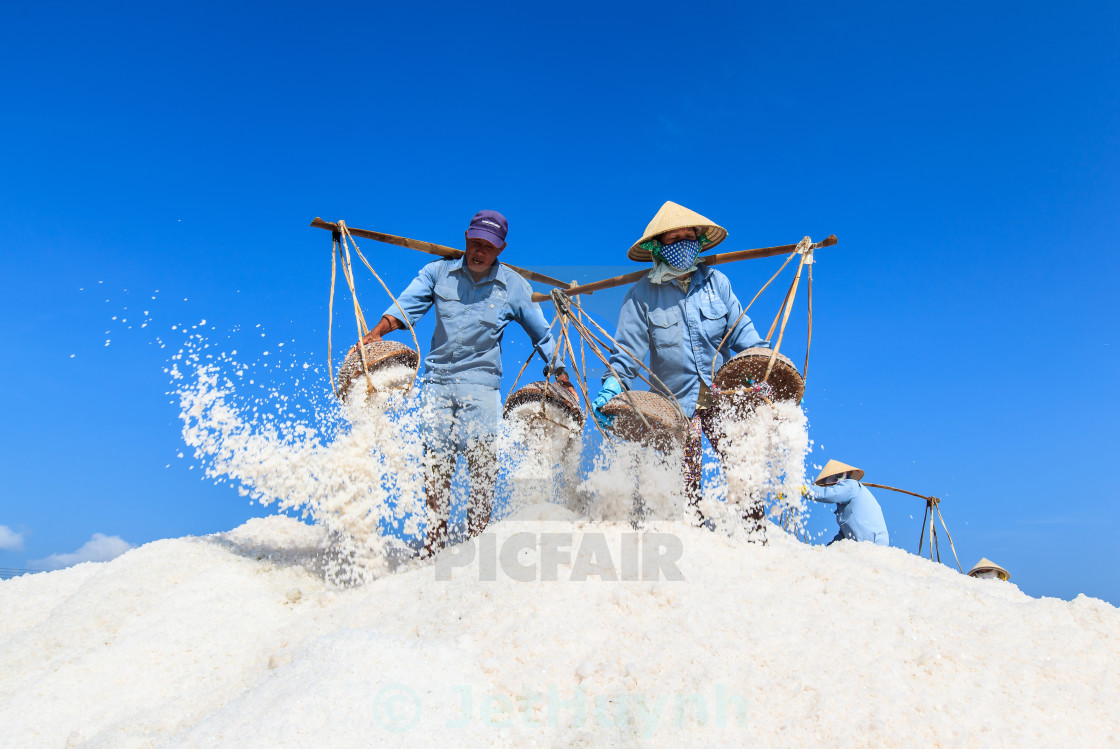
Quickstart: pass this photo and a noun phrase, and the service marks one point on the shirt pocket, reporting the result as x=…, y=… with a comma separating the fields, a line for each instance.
x=493, y=310
x=713, y=319
x=448, y=302
x=664, y=329
x=490, y=313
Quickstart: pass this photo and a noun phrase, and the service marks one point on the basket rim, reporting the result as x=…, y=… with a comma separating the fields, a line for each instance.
x=675, y=426
x=791, y=380
x=351, y=367
x=535, y=392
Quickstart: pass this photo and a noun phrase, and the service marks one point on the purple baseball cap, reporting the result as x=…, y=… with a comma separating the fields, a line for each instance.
x=489, y=225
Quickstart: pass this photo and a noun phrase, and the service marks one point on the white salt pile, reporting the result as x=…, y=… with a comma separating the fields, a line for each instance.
x=235, y=640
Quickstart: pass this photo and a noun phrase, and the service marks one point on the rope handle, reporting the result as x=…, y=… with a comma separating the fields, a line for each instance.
x=348, y=274
x=805, y=249
x=404, y=315
x=744, y=313
x=340, y=252
x=592, y=340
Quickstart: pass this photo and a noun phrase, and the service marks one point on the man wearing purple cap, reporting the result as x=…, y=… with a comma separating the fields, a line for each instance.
x=475, y=297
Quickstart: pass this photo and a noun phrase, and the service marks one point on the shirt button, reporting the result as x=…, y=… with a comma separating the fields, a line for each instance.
x=491, y=306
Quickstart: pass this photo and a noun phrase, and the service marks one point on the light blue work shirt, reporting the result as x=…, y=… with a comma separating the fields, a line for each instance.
x=471, y=317
x=859, y=515
x=680, y=331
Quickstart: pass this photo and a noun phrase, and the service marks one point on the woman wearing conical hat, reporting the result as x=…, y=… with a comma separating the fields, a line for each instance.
x=857, y=512
x=678, y=314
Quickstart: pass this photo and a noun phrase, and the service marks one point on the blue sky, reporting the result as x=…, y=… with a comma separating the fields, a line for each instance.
x=967, y=156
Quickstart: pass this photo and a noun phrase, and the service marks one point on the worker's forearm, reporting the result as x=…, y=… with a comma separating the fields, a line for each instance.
x=387, y=324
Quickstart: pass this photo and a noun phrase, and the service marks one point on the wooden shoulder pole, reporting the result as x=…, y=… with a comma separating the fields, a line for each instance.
x=720, y=259
x=433, y=249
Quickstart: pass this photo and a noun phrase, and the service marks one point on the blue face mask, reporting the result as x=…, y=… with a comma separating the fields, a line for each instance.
x=681, y=255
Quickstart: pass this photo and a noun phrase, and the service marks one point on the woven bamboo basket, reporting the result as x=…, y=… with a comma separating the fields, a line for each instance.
x=379, y=355
x=741, y=377
x=550, y=392
x=667, y=424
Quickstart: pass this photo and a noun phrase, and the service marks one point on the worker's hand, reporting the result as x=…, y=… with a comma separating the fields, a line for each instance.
x=385, y=325
x=611, y=388
x=804, y=490
x=367, y=339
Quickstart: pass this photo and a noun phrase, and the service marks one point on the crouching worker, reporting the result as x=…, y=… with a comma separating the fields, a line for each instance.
x=475, y=297
x=857, y=512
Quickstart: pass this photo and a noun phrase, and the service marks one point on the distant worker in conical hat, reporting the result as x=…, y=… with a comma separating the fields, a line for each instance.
x=475, y=298
x=858, y=513
x=678, y=314
x=986, y=568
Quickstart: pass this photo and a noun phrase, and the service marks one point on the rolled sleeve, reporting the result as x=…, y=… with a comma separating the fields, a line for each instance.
x=836, y=494
x=416, y=299
x=530, y=317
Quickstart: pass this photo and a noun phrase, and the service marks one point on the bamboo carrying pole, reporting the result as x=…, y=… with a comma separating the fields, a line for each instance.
x=721, y=258
x=933, y=505
x=432, y=249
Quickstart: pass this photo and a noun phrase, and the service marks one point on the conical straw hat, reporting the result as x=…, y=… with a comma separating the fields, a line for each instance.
x=985, y=565
x=672, y=216
x=833, y=467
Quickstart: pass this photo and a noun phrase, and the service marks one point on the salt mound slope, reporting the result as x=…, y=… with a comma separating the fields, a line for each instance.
x=235, y=640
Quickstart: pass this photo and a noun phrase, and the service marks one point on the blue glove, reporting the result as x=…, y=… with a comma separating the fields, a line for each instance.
x=611, y=388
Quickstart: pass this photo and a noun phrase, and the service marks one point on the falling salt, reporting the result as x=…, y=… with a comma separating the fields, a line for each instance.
x=632, y=481
x=541, y=444
x=764, y=462
x=355, y=480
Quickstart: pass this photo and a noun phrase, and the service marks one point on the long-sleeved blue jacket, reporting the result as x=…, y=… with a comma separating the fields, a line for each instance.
x=680, y=331
x=471, y=317
x=859, y=515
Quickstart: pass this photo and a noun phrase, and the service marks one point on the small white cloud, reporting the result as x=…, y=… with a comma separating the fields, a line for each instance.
x=99, y=548
x=10, y=540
